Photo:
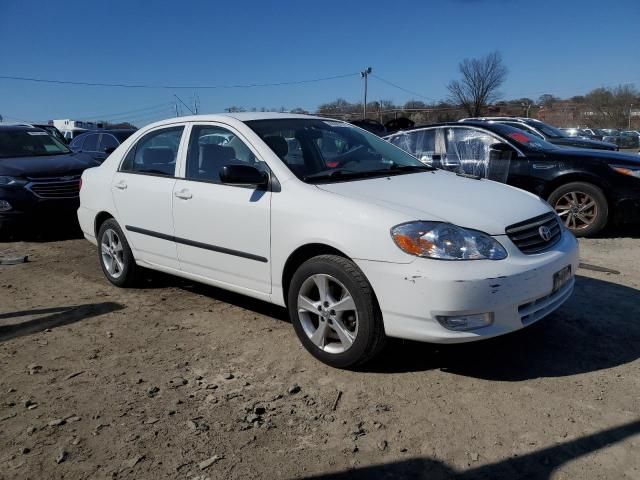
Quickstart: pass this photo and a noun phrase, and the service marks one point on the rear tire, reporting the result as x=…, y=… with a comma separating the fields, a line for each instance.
x=115, y=255
x=582, y=207
x=335, y=313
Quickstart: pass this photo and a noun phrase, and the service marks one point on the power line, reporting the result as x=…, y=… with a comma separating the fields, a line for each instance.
x=173, y=87
x=125, y=113
x=402, y=88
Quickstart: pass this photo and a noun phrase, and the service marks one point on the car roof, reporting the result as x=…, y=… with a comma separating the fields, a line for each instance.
x=443, y=124
x=241, y=116
x=525, y=120
x=14, y=128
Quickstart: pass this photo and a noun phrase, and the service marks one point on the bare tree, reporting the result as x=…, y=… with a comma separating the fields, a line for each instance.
x=610, y=106
x=481, y=79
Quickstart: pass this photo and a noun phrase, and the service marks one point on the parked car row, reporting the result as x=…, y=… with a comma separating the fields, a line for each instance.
x=415, y=236
x=627, y=139
x=547, y=132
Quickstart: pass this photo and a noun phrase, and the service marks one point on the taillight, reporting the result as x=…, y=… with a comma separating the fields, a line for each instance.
x=80, y=187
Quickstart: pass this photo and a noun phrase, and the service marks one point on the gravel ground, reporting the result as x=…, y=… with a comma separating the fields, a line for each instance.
x=180, y=380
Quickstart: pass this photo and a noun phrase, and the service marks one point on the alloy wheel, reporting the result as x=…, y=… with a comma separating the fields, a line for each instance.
x=112, y=253
x=327, y=313
x=577, y=210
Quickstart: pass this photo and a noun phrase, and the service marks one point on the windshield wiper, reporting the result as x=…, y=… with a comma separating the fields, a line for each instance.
x=323, y=175
x=411, y=168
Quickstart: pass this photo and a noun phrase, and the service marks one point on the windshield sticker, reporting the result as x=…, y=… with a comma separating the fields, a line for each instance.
x=37, y=133
x=520, y=137
x=335, y=124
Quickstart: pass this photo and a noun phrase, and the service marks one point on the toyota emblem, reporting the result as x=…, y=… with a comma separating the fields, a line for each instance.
x=545, y=233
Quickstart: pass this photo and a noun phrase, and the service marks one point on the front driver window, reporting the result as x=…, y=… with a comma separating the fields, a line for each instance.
x=155, y=153
x=474, y=152
x=211, y=148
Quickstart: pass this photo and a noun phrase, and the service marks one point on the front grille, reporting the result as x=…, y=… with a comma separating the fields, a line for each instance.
x=535, y=310
x=527, y=237
x=53, y=187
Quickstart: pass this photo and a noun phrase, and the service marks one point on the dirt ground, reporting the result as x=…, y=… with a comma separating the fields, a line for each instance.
x=180, y=380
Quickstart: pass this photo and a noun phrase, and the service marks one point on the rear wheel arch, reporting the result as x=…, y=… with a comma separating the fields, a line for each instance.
x=99, y=220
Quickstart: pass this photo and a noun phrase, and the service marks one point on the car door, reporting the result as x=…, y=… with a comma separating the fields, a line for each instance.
x=142, y=191
x=476, y=152
x=222, y=232
x=106, y=145
x=90, y=145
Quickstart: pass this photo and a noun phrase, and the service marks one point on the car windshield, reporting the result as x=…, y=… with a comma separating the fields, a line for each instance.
x=29, y=143
x=319, y=151
x=548, y=130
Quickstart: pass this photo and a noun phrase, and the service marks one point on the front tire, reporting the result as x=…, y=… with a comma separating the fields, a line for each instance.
x=582, y=207
x=115, y=255
x=334, y=312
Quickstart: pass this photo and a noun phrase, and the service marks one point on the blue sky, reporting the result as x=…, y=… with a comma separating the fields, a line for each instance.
x=550, y=46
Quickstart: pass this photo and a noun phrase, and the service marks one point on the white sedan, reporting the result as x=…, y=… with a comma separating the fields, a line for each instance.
x=357, y=238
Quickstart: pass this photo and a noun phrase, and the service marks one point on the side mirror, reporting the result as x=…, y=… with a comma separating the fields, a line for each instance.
x=243, y=175
x=109, y=150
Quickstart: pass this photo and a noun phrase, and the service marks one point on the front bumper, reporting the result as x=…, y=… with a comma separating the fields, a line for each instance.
x=517, y=291
x=27, y=207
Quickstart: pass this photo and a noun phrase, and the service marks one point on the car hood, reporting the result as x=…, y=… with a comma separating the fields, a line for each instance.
x=583, y=143
x=618, y=158
x=46, y=166
x=444, y=196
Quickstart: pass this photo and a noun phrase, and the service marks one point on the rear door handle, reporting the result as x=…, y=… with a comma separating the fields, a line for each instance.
x=183, y=194
x=121, y=185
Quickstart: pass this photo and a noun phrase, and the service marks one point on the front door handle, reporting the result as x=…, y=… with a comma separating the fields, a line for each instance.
x=121, y=185
x=183, y=194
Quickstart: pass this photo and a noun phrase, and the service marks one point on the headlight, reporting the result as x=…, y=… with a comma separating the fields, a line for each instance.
x=445, y=241
x=10, y=181
x=632, y=172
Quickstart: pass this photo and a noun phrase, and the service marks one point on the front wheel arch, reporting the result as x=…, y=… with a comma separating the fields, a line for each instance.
x=301, y=255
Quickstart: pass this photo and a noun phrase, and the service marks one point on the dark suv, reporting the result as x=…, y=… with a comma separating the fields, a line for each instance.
x=101, y=143
x=547, y=132
x=587, y=188
x=39, y=175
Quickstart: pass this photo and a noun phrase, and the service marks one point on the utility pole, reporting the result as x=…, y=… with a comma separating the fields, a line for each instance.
x=630, y=110
x=176, y=105
x=186, y=106
x=365, y=74
x=195, y=103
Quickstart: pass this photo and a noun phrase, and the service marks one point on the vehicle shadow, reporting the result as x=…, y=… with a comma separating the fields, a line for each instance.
x=592, y=331
x=51, y=318
x=44, y=230
x=162, y=280
x=628, y=230
x=539, y=464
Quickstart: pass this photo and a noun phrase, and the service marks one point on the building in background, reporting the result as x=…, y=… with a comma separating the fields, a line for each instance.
x=72, y=128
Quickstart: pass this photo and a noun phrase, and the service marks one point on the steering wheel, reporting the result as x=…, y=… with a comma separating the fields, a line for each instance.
x=345, y=158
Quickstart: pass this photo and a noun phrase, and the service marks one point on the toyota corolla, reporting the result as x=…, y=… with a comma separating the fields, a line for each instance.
x=357, y=238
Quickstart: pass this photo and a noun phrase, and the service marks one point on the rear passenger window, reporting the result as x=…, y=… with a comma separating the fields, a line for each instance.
x=155, y=153
x=211, y=148
x=90, y=143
